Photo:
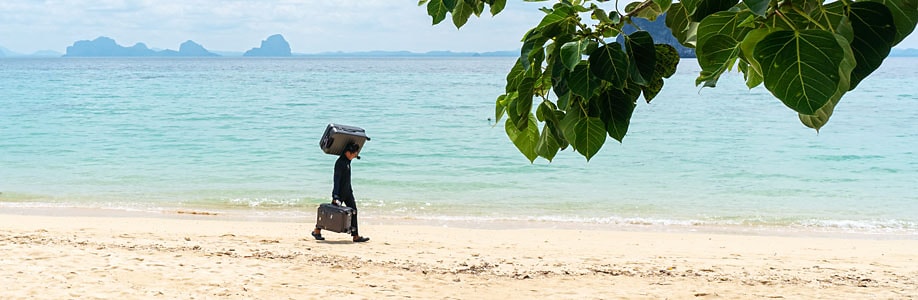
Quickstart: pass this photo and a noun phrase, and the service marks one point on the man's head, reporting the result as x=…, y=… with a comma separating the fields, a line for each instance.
x=351, y=150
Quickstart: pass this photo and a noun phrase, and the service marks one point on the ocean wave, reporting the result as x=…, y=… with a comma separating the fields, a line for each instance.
x=303, y=209
x=898, y=227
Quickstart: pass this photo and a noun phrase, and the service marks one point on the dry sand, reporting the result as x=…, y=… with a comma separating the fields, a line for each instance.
x=208, y=257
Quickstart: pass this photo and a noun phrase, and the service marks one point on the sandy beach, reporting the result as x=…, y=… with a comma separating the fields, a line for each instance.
x=209, y=257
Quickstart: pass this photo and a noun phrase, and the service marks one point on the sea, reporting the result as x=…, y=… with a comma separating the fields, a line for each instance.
x=239, y=137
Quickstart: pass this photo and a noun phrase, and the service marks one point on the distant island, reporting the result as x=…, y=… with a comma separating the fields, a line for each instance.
x=380, y=53
x=44, y=53
x=277, y=46
x=107, y=47
x=274, y=46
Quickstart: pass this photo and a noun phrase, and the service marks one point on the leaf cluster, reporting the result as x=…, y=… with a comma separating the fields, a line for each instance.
x=460, y=10
x=807, y=53
x=581, y=85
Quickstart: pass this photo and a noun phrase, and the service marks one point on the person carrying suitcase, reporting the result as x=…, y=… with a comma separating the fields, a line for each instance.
x=342, y=190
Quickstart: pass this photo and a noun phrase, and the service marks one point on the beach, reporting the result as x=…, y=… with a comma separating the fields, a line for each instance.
x=197, y=178
x=193, y=255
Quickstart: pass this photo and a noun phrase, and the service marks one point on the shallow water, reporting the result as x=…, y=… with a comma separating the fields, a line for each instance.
x=242, y=134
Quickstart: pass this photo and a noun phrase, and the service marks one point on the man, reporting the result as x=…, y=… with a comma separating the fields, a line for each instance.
x=342, y=190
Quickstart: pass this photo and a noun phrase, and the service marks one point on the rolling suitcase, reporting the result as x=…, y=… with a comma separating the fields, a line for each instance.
x=337, y=136
x=334, y=217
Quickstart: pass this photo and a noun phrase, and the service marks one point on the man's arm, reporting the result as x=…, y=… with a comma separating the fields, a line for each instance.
x=336, y=191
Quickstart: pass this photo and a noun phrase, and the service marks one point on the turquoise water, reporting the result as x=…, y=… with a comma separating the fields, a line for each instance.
x=241, y=135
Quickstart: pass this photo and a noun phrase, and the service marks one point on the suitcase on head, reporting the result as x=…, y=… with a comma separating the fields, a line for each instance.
x=334, y=217
x=337, y=136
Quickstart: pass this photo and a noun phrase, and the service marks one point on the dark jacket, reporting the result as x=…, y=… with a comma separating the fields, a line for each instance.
x=342, y=179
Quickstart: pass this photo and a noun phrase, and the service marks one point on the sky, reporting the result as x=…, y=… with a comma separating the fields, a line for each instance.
x=239, y=25
x=310, y=26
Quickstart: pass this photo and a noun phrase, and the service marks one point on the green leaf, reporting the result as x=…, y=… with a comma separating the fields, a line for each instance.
x=643, y=56
x=543, y=82
x=559, y=76
x=591, y=134
x=477, y=6
x=804, y=5
x=572, y=53
x=545, y=111
x=652, y=89
x=708, y=7
x=555, y=129
x=500, y=107
x=667, y=60
x=717, y=55
x=548, y=144
x=497, y=6
x=835, y=15
x=757, y=7
x=461, y=13
x=821, y=116
x=753, y=74
x=689, y=5
x=533, y=41
x=518, y=109
x=874, y=34
x=801, y=67
x=725, y=23
x=609, y=63
x=718, y=45
x=570, y=119
x=649, y=12
x=905, y=16
x=437, y=9
x=677, y=19
x=581, y=82
x=514, y=76
x=632, y=6
x=564, y=101
x=615, y=17
x=664, y=5
x=616, y=107
x=577, y=6
x=557, y=15
x=753, y=77
x=600, y=15
x=526, y=139
x=536, y=58
x=830, y=16
x=845, y=29
x=789, y=20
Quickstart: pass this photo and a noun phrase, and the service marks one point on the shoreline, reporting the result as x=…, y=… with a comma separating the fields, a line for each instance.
x=202, y=256
x=240, y=215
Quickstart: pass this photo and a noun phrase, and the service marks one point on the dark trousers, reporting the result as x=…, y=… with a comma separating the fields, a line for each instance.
x=350, y=202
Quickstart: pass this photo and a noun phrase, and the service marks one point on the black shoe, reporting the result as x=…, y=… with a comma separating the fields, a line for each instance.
x=361, y=239
x=318, y=236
